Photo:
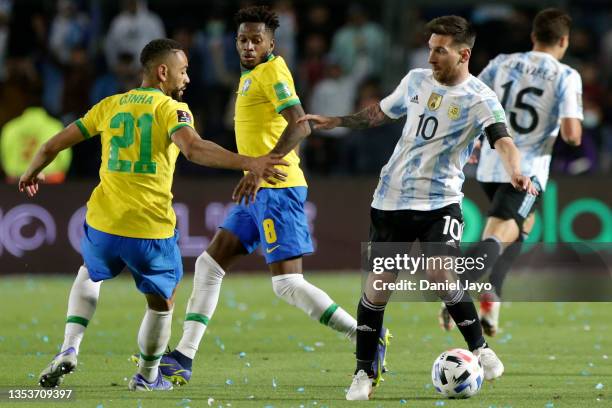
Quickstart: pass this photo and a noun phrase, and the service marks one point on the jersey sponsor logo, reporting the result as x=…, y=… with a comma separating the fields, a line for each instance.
x=434, y=102
x=282, y=90
x=245, y=86
x=183, y=116
x=270, y=250
x=454, y=111
x=415, y=99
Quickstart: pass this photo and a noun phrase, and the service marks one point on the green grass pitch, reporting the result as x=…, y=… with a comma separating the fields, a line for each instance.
x=260, y=352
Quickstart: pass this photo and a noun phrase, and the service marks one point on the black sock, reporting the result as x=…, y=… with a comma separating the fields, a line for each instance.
x=369, y=323
x=503, y=265
x=464, y=314
x=182, y=359
x=489, y=250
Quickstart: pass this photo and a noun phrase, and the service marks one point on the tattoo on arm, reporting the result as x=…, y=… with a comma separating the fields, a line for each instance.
x=371, y=116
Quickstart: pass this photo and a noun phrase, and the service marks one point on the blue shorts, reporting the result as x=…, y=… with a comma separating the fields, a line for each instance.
x=276, y=219
x=155, y=264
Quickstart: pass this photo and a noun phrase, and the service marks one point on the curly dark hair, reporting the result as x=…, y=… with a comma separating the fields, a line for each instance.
x=257, y=14
x=157, y=49
x=457, y=27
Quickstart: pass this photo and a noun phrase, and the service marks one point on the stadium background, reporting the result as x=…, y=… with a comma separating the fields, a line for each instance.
x=66, y=55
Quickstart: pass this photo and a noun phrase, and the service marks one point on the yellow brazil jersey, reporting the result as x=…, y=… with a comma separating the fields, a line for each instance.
x=133, y=198
x=262, y=94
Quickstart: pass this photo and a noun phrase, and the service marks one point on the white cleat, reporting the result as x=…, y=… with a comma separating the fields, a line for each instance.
x=489, y=313
x=491, y=364
x=361, y=387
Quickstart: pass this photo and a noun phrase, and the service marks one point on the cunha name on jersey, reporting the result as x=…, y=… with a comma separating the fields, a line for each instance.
x=131, y=98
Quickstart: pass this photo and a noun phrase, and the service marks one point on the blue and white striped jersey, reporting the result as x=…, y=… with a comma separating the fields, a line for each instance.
x=536, y=90
x=425, y=171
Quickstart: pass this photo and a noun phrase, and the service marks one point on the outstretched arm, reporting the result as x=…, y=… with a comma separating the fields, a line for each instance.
x=371, y=116
x=66, y=138
x=207, y=153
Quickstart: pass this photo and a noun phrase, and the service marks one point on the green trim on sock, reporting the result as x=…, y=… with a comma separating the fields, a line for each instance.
x=328, y=314
x=196, y=317
x=78, y=320
x=150, y=358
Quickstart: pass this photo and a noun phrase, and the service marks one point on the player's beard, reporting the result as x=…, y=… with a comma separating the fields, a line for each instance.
x=176, y=95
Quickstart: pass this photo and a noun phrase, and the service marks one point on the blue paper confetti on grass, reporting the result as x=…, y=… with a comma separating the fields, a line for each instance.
x=242, y=354
x=599, y=386
x=301, y=389
x=229, y=381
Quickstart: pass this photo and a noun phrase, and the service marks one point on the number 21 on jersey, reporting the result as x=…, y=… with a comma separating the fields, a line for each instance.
x=144, y=123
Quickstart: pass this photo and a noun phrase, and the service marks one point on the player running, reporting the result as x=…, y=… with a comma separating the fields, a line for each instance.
x=540, y=95
x=267, y=108
x=419, y=192
x=130, y=221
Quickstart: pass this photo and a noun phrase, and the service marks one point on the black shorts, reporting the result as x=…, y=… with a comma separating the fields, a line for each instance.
x=507, y=203
x=442, y=228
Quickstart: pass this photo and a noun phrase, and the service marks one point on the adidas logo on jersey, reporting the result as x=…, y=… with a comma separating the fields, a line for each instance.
x=415, y=99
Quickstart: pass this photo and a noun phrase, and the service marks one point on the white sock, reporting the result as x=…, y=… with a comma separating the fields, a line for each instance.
x=202, y=304
x=153, y=339
x=296, y=291
x=81, y=307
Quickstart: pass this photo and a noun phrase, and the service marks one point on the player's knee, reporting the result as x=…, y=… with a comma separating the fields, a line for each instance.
x=158, y=303
x=284, y=287
x=437, y=275
x=208, y=271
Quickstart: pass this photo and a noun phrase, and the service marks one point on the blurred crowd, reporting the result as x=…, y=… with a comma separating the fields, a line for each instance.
x=59, y=57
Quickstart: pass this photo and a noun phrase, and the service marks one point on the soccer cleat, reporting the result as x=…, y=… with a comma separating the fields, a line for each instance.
x=138, y=383
x=489, y=313
x=171, y=369
x=444, y=318
x=63, y=363
x=491, y=364
x=379, y=365
x=361, y=387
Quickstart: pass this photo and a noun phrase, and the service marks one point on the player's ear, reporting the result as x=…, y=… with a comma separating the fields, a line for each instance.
x=271, y=44
x=564, y=41
x=465, y=54
x=162, y=72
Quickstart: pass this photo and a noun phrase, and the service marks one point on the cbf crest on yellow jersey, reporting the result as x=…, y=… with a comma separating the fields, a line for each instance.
x=134, y=197
x=262, y=94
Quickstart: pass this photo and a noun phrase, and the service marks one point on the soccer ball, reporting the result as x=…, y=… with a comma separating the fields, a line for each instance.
x=457, y=373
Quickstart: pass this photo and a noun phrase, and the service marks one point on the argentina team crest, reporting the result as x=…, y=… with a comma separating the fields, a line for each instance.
x=434, y=102
x=454, y=111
